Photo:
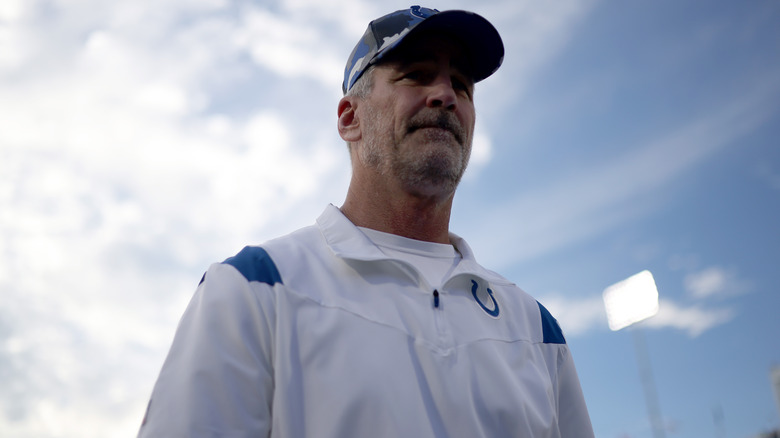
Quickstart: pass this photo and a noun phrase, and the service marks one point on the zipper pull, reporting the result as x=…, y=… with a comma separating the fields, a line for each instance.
x=436, y=298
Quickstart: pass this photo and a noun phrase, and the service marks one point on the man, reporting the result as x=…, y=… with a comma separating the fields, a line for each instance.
x=377, y=321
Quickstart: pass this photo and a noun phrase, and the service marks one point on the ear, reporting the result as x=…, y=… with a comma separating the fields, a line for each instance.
x=349, y=124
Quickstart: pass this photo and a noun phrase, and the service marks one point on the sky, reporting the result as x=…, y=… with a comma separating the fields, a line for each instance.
x=141, y=141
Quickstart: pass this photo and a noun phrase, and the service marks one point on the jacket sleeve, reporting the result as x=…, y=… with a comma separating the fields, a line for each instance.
x=573, y=418
x=218, y=377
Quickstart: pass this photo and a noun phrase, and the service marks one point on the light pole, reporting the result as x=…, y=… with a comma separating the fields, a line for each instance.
x=629, y=302
x=774, y=376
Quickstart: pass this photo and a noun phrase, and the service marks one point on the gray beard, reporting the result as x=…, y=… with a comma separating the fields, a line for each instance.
x=434, y=170
x=418, y=174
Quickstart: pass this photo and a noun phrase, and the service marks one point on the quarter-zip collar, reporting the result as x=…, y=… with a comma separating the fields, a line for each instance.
x=348, y=242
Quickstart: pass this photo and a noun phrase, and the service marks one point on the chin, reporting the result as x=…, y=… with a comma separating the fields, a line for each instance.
x=436, y=135
x=436, y=174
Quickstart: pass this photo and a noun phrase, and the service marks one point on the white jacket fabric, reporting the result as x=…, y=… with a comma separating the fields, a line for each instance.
x=319, y=334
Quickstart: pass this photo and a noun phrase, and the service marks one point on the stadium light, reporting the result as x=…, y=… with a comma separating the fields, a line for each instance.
x=631, y=300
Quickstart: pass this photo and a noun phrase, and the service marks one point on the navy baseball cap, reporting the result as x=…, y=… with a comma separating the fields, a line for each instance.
x=384, y=34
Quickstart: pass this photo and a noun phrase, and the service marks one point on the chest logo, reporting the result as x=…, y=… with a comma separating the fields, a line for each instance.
x=482, y=298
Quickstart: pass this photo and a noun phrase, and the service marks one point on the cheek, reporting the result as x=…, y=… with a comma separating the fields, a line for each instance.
x=467, y=113
x=406, y=103
x=468, y=120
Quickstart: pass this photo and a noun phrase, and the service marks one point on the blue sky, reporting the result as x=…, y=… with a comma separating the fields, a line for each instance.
x=142, y=140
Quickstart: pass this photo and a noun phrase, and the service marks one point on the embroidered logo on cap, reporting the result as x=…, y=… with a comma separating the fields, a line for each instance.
x=419, y=11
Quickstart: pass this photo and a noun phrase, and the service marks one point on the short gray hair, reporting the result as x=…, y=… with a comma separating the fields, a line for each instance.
x=362, y=88
x=364, y=84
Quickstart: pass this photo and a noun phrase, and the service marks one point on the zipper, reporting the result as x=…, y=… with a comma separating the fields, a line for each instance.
x=415, y=274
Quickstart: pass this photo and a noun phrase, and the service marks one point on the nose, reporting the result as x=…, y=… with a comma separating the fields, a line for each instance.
x=442, y=94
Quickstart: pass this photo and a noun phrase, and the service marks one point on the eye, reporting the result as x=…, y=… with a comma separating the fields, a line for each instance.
x=418, y=72
x=414, y=75
x=460, y=84
x=419, y=75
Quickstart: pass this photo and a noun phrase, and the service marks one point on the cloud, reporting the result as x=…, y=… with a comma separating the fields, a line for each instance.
x=694, y=320
x=584, y=316
x=12, y=10
x=577, y=316
x=533, y=34
x=118, y=187
x=122, y=176
x=481, y=154
x=709, y=282
x=601, y=196
x=290, y=48
x=713, y=282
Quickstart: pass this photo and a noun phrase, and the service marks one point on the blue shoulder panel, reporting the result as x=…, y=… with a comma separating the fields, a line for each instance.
x=255, y=264
x=550, y=329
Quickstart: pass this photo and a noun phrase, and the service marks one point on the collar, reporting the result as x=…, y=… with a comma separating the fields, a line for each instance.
x=348, y=242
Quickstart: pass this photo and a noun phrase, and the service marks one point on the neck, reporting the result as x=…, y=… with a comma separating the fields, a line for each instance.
x=407, y=215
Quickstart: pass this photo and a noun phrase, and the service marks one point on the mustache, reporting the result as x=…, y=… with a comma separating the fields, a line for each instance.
x=438, y=119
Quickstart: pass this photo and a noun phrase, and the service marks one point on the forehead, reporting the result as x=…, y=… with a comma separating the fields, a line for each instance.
x=432, y=47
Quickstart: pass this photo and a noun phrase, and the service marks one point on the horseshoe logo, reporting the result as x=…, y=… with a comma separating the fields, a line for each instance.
x=421, y=12
x=492, y=312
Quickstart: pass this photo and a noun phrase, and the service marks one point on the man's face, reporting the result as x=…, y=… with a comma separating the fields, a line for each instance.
x=418, y=121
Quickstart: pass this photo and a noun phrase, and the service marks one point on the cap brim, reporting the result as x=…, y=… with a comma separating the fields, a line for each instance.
x=481, y=39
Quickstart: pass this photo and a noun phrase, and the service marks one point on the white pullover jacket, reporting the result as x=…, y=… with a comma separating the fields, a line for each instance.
x=319, y=334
